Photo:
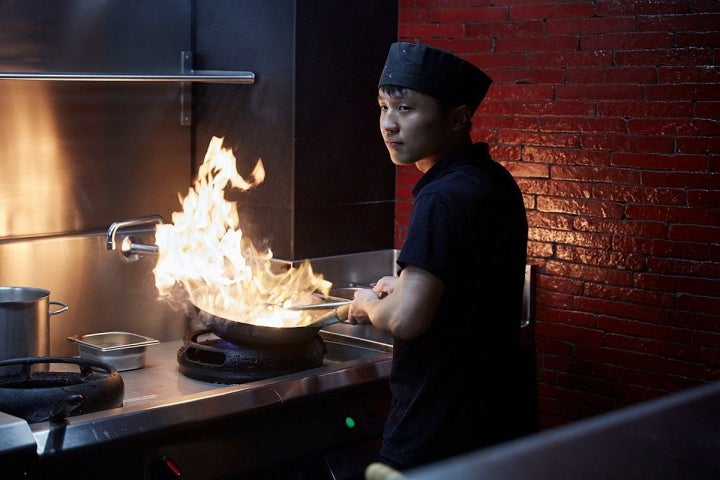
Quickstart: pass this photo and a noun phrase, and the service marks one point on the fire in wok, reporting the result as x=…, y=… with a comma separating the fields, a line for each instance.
x=203, y=251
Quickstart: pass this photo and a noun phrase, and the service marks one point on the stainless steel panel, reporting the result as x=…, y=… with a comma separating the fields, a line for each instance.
x=327, y=169
x=356, y=269
x=675, y=436
x=75, y=156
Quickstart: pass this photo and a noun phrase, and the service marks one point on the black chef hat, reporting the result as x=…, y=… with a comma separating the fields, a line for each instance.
x=435, y=72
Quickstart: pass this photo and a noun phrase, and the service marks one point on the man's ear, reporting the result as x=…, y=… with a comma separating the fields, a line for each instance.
x=460, y=117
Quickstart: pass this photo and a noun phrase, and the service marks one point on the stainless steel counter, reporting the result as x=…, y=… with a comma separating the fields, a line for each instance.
x=305, y=415
x=157, y=397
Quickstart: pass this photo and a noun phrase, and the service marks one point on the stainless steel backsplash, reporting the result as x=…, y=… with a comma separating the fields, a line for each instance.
x=77, y=156
x=103, y=292
x=106, y=293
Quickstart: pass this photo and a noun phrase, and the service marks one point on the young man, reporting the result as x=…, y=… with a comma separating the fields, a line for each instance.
x=454, y=310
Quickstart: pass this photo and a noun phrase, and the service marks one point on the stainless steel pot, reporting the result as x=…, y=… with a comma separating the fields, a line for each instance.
x=25, y=324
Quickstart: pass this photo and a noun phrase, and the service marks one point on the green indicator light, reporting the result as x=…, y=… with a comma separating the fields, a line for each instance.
x=349, y=422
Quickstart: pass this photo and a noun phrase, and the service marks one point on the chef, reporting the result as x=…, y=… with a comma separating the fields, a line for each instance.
x=454, y=309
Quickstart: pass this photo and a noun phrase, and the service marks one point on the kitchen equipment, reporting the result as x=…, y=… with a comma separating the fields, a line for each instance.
x=241, y=332
x=316, y=422
x=238, y=352
x=123, y=350
x=25, y=323
x=54, y=395
x=206, y=357
x=326, y=303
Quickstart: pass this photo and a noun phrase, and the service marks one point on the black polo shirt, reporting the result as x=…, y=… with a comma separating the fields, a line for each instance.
x=468, y=228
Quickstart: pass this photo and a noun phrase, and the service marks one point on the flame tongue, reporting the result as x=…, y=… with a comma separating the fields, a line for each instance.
x=204, y=251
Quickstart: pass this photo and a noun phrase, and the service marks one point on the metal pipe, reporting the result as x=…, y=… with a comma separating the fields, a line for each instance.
x=140, y=248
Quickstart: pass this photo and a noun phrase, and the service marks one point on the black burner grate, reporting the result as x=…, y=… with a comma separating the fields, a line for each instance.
x=209, y=358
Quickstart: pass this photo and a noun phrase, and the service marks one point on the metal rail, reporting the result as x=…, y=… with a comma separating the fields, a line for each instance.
x=186, y=77
x=195, y=76
x=187, y=74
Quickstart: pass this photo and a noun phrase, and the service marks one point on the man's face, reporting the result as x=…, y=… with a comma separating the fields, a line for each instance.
x=414, y=127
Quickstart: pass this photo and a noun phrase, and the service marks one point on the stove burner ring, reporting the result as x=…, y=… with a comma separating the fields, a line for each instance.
x=37, y=396
x=219, y=361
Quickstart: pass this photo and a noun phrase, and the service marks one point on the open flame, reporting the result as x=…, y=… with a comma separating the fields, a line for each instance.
x=204, y=251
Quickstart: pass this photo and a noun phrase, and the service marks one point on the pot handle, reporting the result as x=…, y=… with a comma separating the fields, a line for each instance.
x=63, y=307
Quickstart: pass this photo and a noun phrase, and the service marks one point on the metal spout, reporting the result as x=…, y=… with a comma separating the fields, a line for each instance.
x=131, y=247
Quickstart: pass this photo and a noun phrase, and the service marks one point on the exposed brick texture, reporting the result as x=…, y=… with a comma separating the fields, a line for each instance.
x=608, y=114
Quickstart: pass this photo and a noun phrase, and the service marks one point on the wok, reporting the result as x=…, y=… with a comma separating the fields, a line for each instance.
x=247, y=333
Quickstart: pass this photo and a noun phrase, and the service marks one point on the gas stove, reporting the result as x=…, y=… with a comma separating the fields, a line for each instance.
x=205, y=356
x=171, y=424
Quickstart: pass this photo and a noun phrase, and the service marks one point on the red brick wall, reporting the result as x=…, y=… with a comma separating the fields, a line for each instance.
x=606, y=112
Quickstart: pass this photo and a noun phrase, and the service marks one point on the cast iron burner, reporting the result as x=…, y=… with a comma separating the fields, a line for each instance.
x=37, y=396
x=217, y=360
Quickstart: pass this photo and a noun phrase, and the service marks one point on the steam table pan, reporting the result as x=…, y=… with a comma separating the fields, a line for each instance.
x=123, y=350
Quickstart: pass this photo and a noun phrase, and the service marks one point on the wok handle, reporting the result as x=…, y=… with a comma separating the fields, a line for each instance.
x=340, y=314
